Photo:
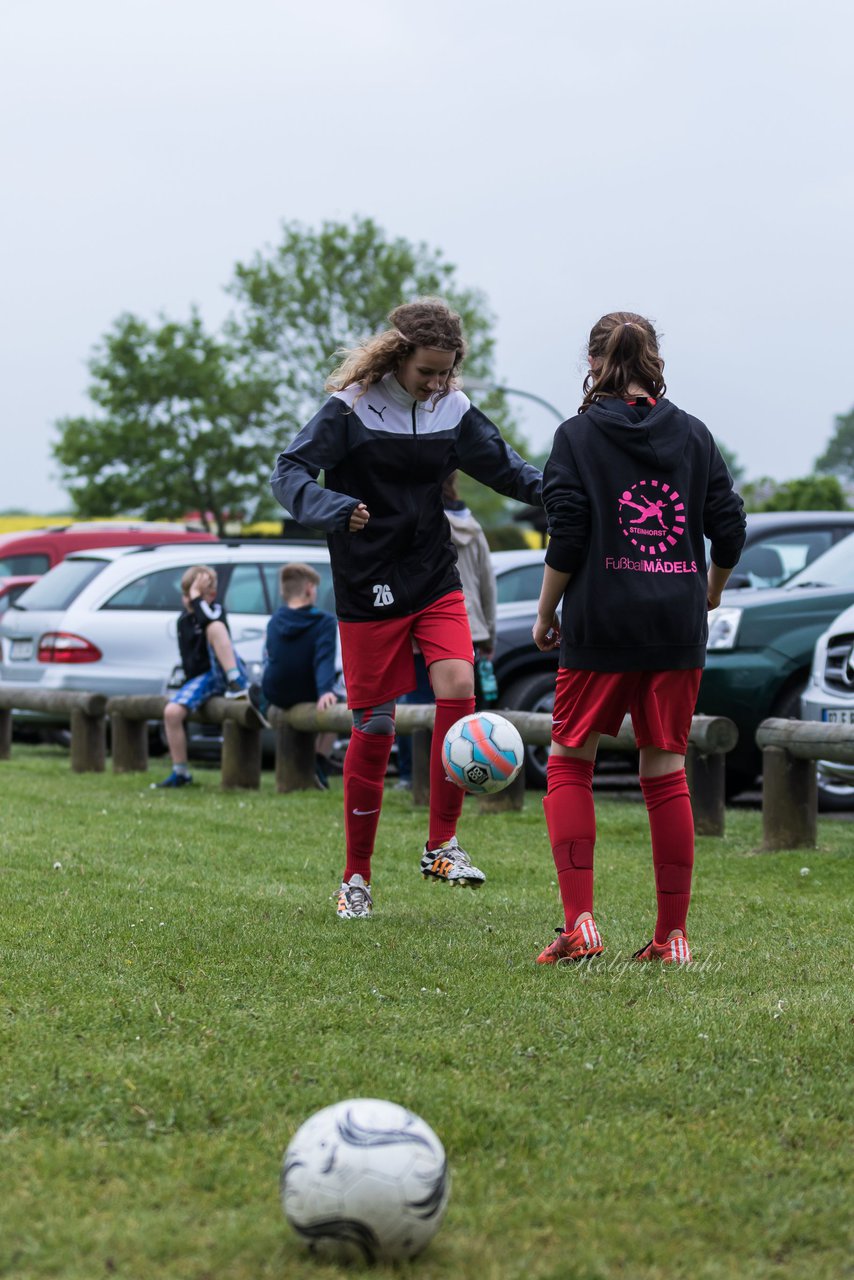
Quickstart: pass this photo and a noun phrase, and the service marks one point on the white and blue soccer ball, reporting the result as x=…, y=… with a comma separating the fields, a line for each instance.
x=483, y=753
x=365, y=1181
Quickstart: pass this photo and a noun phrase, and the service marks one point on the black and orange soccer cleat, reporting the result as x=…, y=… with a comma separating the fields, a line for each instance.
x=451, y=864
x=674, y=951
x=579, y=944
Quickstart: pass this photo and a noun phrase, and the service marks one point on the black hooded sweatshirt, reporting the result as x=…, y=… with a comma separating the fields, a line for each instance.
x=630, y=489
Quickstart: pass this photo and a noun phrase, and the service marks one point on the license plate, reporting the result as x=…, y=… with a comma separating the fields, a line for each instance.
x=21, y=650
x=834, y=716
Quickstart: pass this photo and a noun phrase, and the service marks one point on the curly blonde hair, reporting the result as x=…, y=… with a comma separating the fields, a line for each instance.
x=625, y=348
x=426, y=322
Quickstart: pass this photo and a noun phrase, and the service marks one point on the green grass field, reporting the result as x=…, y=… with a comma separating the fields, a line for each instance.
x=177, y=996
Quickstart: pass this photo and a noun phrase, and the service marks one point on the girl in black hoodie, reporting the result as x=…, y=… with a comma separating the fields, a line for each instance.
x=632, y=485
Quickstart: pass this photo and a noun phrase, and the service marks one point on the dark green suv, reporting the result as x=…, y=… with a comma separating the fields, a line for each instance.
x=760, y=650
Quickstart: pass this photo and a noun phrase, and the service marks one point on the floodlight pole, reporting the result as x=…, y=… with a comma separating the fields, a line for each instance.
x=483, y=384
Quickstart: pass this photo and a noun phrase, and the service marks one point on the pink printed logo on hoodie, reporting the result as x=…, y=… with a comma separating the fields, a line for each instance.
x=651, y=516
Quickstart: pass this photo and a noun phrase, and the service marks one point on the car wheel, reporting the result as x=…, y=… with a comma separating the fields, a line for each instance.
x=533, y=693
x=788, y=707
x=738, y=780
x=834, y=794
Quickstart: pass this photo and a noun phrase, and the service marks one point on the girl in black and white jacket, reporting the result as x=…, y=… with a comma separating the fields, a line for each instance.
x=394, y=427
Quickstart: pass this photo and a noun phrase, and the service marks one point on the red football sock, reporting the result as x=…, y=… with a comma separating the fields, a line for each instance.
x=364, y=773
x=571, y=824
x=671, y=826
x=446, y=799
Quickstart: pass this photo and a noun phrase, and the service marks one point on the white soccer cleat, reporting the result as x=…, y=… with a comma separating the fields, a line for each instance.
x=354, y=901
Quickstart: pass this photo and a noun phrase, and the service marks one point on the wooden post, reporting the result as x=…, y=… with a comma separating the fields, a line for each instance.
x=789, y=800
x=5, y=733
x=129, y=742
x=88, y=742
x=707, y=784
x=422, y=741
x=241, y=756
x=512, y=798
x=295, y=765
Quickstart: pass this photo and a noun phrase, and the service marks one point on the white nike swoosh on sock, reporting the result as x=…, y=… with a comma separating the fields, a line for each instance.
x=361, y=813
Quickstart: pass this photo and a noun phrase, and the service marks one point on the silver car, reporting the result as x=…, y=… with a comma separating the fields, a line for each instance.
x=829, y=699
x=105, y=621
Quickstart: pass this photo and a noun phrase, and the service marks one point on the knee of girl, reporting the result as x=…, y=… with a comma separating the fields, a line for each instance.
x=217, y=631
x=174, y=713
x=374, y=721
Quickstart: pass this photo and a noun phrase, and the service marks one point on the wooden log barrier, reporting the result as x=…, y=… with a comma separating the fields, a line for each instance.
x=86, y=710
x=710, y=738
x=5, y=733
x=790, y=750
x=241, y=736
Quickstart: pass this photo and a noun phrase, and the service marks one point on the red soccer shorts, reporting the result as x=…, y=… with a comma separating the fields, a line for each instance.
x=378, y=656
x=661, y=704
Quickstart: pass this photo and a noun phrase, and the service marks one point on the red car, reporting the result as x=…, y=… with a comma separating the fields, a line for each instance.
x=38, y=550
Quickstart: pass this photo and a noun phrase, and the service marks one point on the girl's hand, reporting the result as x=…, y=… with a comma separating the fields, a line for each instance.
x=202, y=586
x=359, y=517
x=546, y=633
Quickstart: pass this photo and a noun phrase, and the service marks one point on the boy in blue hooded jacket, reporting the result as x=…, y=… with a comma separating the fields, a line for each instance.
x=301, y=646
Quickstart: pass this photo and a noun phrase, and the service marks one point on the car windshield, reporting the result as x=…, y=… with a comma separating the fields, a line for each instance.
x=520, y=583
x=159, y=591
x=834, y=569
x=61, y=585
x=13, y=565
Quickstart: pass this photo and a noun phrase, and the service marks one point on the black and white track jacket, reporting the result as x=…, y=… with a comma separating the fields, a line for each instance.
x=392, y=453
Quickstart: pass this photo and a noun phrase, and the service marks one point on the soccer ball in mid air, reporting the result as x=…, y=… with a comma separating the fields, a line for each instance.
x=482, y=753
x=365, y=1181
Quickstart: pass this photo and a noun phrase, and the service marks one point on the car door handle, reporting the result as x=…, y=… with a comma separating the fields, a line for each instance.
x=251, y=633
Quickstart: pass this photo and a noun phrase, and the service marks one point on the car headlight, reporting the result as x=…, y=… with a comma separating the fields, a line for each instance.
x=723, y=627
x=819, y=659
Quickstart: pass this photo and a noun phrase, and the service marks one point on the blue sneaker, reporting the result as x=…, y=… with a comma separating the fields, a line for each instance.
x=174, y=780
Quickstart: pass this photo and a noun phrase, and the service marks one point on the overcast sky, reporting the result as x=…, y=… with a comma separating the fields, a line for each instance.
x=688, y=159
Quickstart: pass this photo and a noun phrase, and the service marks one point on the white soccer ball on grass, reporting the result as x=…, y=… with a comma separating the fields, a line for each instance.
x=365, y=1181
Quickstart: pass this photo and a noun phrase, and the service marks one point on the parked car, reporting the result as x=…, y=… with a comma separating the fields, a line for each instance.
x=12, y=587
x=780, y=544
x=105, y=620
x=760, y=651
x=829, y=699
x=38, y=550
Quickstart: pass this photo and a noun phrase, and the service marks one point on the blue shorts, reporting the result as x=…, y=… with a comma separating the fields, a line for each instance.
x=210, y=684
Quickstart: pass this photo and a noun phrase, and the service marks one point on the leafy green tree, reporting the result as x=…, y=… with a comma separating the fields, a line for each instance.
x=838, y=457
x=182, y=425
x=319, y=291
x=810, y=493
x=736, y=470
x=186, y=421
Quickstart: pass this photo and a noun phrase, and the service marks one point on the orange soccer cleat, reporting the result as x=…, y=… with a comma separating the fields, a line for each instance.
x=580, y=943
x=674, y=951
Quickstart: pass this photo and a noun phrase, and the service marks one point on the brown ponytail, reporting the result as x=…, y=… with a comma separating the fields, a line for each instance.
x=623, y=347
